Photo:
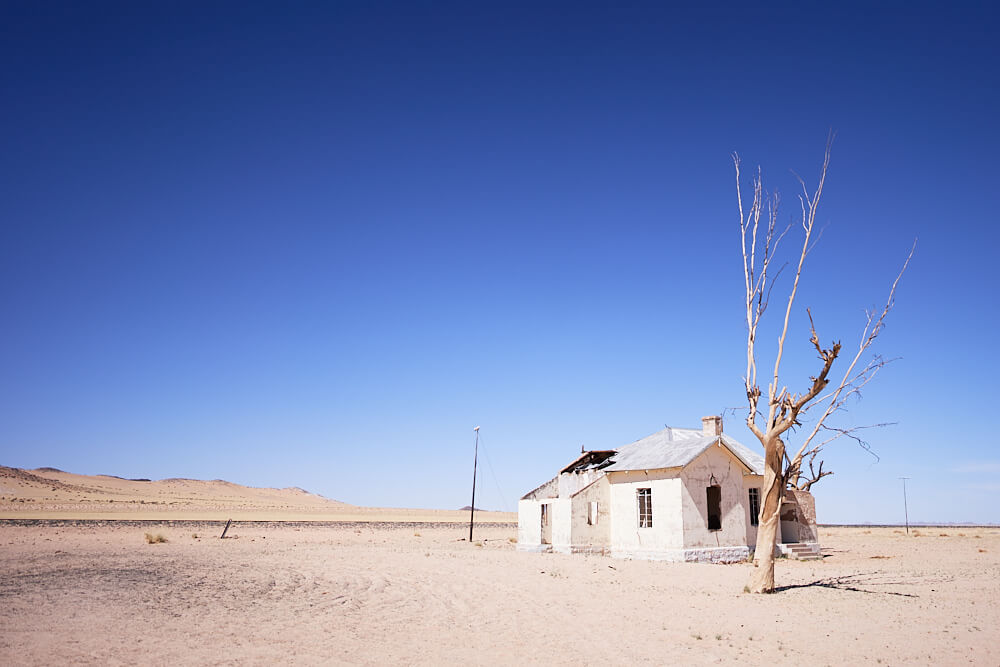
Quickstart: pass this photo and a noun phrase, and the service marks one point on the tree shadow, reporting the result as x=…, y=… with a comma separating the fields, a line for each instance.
x=851, y=582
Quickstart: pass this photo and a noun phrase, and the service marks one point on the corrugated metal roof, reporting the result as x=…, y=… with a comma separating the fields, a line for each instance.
x=675, y=448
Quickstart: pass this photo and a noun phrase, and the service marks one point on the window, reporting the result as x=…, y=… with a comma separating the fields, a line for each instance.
x=754, y=507
x=714, y=496
x=645, y=497
x=592, y=514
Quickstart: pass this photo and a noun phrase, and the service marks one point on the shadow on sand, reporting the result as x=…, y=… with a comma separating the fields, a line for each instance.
x=851, y=582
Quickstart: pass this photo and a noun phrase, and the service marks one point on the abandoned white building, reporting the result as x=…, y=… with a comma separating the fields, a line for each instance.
x=679, y=495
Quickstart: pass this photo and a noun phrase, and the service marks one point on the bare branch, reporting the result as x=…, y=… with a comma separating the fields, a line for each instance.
x=750, y=222
x=818, y=238
x=852, y=434
x=808, y=222
x=814, y=475
x=868, y=336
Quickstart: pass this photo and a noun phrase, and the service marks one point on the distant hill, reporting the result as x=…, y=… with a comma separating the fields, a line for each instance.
x=50, y=493
x=51, y=489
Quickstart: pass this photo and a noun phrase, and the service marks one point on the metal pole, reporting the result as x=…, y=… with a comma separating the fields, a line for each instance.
x=472, y=508
x=906, y=511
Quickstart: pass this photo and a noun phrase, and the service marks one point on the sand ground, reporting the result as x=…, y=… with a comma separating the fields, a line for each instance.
x=407, y=593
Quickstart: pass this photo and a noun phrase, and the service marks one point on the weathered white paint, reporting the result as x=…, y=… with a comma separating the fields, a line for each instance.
x=549, y=489
x=529, y=524
x=571, y=482
x=560, y=511
x=715, y=466
x=666, y=532
x=557, y=536
x=592, y=537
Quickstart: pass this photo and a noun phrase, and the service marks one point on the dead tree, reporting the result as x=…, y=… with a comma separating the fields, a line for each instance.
x=783, y=410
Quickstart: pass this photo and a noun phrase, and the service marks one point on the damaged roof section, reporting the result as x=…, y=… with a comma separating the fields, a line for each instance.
x=590, y=461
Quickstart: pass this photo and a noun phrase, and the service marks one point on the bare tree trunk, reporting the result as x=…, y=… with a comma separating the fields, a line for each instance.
x=762, y=576
x=784, y=408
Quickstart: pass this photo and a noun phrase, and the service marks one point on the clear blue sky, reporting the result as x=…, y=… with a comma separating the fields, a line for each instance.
x=315, y=244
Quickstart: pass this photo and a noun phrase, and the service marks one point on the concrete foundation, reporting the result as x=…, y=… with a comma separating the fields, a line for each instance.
x=704, y=555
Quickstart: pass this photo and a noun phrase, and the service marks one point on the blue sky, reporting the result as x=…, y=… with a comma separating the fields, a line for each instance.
x=315, y=245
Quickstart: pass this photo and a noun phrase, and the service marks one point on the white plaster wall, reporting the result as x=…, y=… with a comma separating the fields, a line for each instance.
x=667, y=530
x=560, y=510
x=697, y=476
x=529, y=523
x=571, y=482
x=585, y=534
x=549, y=489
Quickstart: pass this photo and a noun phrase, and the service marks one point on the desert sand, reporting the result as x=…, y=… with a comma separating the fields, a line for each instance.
x=391, y=592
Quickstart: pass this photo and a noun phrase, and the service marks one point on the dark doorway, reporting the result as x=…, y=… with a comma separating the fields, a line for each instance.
x=714, y=495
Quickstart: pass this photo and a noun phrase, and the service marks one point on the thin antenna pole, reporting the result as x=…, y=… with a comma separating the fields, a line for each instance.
x=472, y=508
x=906, y=511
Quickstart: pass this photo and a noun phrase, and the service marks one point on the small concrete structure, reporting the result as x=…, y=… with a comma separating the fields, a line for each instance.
x=799, y=534
x=676, y=495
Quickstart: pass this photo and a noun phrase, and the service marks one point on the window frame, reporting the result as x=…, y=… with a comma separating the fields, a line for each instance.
x=592, y=513
x=753, y=495
x=644, y=507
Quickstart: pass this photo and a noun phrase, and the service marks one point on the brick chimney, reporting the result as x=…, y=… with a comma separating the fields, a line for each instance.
x=711, y=425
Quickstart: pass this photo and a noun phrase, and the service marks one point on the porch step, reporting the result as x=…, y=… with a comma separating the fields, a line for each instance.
x=801, y=550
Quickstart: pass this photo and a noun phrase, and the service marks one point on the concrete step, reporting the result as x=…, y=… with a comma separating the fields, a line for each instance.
x=800, y=551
